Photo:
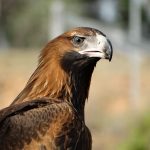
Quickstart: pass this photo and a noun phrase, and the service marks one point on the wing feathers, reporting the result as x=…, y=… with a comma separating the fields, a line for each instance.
x=24, y=125
x=20, y=108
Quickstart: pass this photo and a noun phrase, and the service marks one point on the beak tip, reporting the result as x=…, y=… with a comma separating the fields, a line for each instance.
x=110, y=58
x=111, y=50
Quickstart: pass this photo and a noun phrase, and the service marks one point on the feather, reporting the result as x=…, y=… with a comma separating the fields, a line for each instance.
x=38, y=123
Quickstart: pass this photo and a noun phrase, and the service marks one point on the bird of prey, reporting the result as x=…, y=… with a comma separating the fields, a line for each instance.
x=48, y=114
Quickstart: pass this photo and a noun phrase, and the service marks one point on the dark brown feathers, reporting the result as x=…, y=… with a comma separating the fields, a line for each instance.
x=39, y=123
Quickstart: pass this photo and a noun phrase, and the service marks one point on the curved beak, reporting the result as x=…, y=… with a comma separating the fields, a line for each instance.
x=109, y=52
x=102, y=48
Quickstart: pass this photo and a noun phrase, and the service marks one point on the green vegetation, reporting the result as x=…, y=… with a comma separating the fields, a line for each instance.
x=139, y=138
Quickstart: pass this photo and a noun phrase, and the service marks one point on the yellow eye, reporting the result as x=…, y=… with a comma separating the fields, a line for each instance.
x=78, y=40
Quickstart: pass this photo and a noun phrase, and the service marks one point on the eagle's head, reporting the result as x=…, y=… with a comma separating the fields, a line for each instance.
x=79, y=47
x=90, y=43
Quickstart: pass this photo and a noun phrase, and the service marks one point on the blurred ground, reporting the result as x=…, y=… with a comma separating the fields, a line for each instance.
x=109, y=110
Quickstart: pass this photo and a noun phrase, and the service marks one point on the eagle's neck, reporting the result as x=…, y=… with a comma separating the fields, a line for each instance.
x=80, y=73
x=80, y=83
x=50, y=80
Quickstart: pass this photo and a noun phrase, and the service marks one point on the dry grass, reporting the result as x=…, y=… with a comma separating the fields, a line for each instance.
x=109, y=108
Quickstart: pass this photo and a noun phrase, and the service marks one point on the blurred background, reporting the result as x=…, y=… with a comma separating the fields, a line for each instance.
x=117, y=111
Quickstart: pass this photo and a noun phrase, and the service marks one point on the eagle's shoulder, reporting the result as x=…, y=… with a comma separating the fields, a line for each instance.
x=38, y=123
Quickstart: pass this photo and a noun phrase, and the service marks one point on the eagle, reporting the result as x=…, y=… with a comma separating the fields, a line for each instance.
x=48, y=114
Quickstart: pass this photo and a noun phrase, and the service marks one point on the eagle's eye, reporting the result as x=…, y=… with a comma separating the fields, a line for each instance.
x=78, y=40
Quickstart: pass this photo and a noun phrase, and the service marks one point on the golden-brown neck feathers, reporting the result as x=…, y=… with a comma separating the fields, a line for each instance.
x=49, y=79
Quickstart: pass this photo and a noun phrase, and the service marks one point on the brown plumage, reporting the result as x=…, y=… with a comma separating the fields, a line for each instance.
x=49, y=112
